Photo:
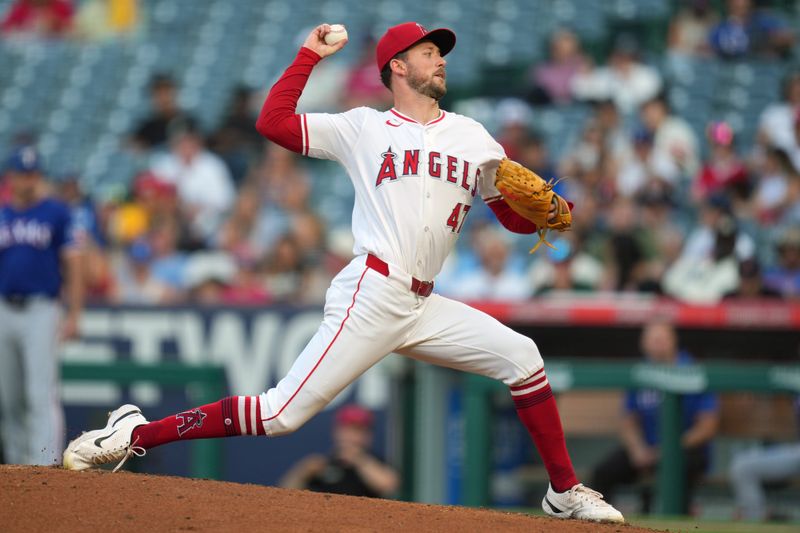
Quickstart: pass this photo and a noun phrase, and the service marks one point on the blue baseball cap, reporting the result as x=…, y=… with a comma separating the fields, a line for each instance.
x=140, y=251
x=24, y=159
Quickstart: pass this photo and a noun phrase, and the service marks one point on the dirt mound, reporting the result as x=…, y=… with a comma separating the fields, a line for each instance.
x=52, y=499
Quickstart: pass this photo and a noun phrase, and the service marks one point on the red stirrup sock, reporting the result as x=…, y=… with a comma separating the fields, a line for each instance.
x=537, y=409
x=229, y=417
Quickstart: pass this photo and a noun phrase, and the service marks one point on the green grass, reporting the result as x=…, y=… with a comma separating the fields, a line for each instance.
x=693, y=525
x=690, y=525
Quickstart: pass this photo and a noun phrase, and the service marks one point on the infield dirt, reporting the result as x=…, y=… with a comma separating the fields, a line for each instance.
x=53, y=499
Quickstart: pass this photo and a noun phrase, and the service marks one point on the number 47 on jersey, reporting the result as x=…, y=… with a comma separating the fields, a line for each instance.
x=456, y=219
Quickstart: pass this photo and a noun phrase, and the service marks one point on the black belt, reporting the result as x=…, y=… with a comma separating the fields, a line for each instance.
x=18, y=301
x=421, y=288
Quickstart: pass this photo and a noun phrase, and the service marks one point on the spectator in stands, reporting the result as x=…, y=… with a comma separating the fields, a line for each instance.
x=776, y=187
x=362, y=87
x=706, y=280
x=625, y=79
x=658, y=208
x=673, y=139
x=169, y=263
x=663, y=239
x=535, y=156
x=127, y=221
x=639, y=455
x=551, y=80
x=350, y=468
x=625, y=254
x=282, y=187
x=795, y=150
x=724, y=170
x=283, y=274
x=593, y=163
x=135, y=283
x=785, y=276
x=645, y=168
x=105, y=19
x=98, y=277
x=690, y=28
x=38, y=18
x=153, y=202
x=246, y=288
x=204, y=186
x=237, y=235
x=701, y=237
x=84, y=213
x=151, y=133
x=790, y=210
x=565, y=269
x=751, y=469
x=747, y=32
x=308, y=232
x=514, y=117
x=236, y=141
x=497, y=276
x=616, y=137
x=209, y=275
x=777, y=124
x=751, y=283
x=587, y=156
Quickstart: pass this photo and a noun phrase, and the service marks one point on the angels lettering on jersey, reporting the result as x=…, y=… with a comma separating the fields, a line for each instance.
x=448, y=168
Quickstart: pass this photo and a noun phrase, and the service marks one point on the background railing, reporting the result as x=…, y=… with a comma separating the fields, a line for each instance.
x=566, y=375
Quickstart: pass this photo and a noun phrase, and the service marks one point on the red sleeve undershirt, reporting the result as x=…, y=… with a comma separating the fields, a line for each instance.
x=278, y=121
x=510, y=219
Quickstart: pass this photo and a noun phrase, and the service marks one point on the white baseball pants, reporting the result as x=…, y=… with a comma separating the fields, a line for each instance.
x=368, y=316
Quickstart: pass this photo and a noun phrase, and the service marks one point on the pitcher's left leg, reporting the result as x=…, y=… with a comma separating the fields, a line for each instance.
x=452, y=334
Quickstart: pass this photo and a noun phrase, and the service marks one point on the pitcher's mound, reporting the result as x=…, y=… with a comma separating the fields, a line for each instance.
x=53, y=499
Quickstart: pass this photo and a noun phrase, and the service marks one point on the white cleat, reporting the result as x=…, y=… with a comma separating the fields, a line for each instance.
x=581, y=503
x=107, y=445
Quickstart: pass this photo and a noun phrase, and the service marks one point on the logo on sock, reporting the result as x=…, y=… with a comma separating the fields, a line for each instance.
x=189, y=420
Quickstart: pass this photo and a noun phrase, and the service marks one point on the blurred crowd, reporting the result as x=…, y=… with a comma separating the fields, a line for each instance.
x=225, y=217
x=86, y=20
x=659, y=207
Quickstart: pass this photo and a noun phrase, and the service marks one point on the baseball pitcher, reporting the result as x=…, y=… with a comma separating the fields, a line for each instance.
x=416, y=170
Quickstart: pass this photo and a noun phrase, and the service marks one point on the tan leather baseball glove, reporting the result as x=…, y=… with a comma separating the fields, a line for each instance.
x=531, y=196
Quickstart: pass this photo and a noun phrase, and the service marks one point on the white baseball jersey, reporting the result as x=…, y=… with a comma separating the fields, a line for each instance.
x=414, y=183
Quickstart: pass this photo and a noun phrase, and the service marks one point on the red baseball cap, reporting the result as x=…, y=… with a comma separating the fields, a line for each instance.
x=405, y=35
x=353, y=415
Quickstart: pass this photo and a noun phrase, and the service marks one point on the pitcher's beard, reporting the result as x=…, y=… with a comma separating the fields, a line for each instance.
x=427, y=87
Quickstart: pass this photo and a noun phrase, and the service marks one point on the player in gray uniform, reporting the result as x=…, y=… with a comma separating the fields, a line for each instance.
x=36, y=244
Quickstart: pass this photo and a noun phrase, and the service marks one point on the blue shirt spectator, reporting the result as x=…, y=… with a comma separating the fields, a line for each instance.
x=646, y=404
x=784, y=276
x=639, y=454
x=746, y=32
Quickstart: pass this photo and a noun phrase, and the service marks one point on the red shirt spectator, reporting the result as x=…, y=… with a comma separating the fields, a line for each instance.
x=362, y=86
x=724, y=169
x=47, y=18
x=5, y=191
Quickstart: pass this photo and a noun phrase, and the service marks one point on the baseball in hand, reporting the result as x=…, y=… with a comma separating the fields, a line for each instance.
x=336, y=34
